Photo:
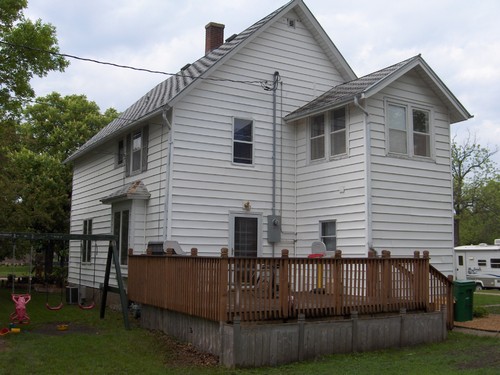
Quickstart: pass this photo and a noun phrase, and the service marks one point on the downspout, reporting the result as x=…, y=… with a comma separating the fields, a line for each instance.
x=168, y=178
x=273, y=211
x=368, y=184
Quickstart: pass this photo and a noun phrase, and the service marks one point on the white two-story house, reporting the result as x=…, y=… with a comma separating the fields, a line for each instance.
x=270, y=141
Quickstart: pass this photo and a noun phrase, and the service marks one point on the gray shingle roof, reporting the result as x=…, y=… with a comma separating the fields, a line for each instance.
x=166, y=91
x=346, y=92
x=132, y=190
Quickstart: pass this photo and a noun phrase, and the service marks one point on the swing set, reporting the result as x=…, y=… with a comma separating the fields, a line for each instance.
x=20, y=315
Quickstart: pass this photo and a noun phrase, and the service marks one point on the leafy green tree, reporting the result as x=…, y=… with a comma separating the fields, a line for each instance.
x=40, y=183
x=52, y=129
x=481, y=222
x=473, y=170
x=27, y=49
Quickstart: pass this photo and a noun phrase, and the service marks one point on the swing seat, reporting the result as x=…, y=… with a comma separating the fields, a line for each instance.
x=86, y=307
x=20, y=316
x=53, y=308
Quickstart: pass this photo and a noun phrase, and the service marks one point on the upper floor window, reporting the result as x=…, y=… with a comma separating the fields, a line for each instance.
x=133, y=151
x=120, y=156
x=337, y=132
x=318, y=137
x=421, y=133
x=242, y=141
x=336, y=143
x=408, y=130
x=137, y=151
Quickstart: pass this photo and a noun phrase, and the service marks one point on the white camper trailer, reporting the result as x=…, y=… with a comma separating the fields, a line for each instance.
x=480, y=263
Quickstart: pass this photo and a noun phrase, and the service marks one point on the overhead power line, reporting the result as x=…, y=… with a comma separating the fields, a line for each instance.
x=21, y=46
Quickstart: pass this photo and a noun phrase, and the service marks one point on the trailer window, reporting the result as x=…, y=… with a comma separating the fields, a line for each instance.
x=481, y=262
x=495, y=263
x=460, y=260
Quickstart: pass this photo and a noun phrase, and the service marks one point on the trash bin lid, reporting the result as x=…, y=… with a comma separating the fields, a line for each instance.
x=464, y=282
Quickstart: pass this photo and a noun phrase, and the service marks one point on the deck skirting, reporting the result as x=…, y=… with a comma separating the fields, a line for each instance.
x=273, y=343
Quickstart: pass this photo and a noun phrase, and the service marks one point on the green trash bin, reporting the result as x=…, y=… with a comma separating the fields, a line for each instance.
x=463, y=292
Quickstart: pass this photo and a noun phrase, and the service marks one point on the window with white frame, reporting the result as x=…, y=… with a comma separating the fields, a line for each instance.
x=336, y=142
x=133, y=151
x=409, y=130
x=337, y=132
x=317, y=137
x=421, y=133
x=242, y=141
x=86, y=250
x=329, y=234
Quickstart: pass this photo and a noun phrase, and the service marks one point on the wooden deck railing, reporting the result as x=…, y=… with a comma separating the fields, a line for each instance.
x=257, y=289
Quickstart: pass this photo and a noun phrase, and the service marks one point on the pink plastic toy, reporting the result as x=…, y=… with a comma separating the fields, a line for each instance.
x=20, y=316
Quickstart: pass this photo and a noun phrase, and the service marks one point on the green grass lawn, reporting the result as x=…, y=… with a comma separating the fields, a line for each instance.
x=488, y=299
x=94, y=346
x=17, y=270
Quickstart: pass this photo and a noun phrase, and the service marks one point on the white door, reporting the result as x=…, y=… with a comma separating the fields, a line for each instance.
x=461, y=264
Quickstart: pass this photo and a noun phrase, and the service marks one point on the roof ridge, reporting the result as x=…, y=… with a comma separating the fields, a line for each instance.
x=169, y=88
x=342, y=93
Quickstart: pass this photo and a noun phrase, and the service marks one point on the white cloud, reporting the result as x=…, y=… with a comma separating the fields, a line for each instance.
x=460, y=39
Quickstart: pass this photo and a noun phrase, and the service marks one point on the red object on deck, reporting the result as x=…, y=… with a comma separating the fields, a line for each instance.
x=318, y=255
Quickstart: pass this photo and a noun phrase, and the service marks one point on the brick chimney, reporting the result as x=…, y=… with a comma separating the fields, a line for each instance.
x=214, y=36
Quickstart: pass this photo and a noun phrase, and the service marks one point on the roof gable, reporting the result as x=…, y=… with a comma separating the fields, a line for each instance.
x=372, y=83
x=168, y=92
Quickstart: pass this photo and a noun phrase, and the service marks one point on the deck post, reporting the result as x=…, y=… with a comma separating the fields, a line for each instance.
x=425, y=278
x=449, y=300
x=418, y=275
x=371, y=276
x=386, y=279
x=223, y=280
x=284, y=287
x=337, y=284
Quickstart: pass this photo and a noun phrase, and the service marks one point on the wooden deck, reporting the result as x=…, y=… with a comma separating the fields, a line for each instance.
x=262, y=289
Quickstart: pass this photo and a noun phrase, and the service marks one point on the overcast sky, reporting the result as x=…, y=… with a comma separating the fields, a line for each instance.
x=459, y=39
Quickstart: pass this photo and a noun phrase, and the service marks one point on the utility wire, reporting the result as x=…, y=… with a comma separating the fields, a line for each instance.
x=21, y=46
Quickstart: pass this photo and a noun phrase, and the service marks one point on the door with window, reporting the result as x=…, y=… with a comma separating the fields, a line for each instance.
x=246, y=234
x=121, y=228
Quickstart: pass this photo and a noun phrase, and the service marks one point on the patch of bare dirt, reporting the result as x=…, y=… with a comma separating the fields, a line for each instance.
x=181, y=354
x=491, y=323
x=53, y=329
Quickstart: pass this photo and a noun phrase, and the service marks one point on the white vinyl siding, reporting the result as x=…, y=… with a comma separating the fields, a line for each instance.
x=208, y=185
x=95, y=177
x=333, y=188
x=412, y=196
